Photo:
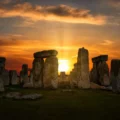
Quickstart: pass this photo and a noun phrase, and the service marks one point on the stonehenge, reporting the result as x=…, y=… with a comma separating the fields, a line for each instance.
x=44, y=73
x=100, y=71
x=45, y=69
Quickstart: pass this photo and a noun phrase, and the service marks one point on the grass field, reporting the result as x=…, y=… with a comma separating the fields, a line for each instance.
x=57, y=105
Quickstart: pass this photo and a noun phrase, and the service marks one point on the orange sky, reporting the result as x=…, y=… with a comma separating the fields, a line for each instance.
x=28, y=27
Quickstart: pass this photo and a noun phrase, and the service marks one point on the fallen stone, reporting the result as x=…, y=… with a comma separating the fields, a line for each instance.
x=28, y=85
x=96, y=86
x=19, y=96
x=12, y=94
x=67, y=90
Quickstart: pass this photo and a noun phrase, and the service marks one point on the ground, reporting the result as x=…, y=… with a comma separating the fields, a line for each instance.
x=58, y=105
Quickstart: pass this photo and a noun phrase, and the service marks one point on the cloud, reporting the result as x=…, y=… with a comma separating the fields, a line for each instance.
x=62, y=13
x=4, y=2
x=114, y=3
x=107, y=42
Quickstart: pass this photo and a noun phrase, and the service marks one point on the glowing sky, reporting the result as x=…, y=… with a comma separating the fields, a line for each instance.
x=27, y=26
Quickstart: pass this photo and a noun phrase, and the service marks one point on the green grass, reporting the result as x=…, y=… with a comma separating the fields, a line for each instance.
x=57, y=105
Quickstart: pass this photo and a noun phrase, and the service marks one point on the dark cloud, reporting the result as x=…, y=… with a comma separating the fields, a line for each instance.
x=114, y=3
x=62, y=13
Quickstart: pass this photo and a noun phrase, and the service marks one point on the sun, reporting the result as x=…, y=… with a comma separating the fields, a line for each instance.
x=63, y=66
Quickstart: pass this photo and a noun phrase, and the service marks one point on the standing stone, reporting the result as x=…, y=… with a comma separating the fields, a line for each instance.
x=118, y=81
x=37, y=72
x=83, y=61
x=114, y=82
x=115, y=75
x=103, y=71
x=74, y=78
x=62, y=76
x=50, y=72
x=115, y=66
x=93, y=74
x=13, y=77
x=24, y=74
x=2, y=64
x=5, y=77
x=1, y=85
x=100, y=71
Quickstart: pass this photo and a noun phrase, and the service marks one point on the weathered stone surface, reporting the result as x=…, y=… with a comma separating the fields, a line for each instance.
x=83, y=61
x=13, y=77
x=37, y=73
x=1, y=84
x=5, y=77
x=50, y=72
x=46, y=53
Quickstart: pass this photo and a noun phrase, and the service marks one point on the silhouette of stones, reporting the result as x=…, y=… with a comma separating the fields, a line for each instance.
x=50, y=72
x=115, y=75
x=5, y=77
x=100, y=71
x=13, y=77
x=3, y=72
x=1, y=84
x=79, y=76
x=2, y=64
x=24, y=74
x=115, y=66
x=44, y=74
